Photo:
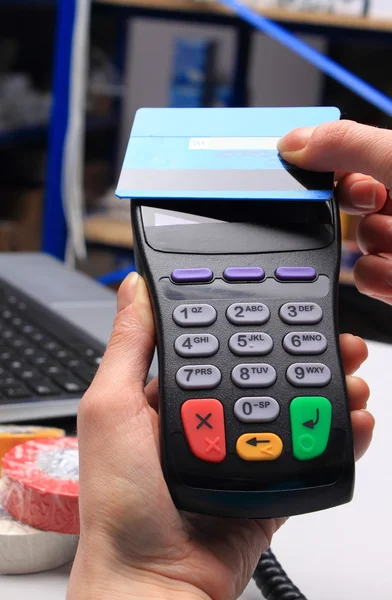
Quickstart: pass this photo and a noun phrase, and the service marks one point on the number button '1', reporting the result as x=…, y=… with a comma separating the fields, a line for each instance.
x=194, y=315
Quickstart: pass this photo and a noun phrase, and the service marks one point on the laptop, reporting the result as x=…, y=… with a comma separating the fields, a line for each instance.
x=55, y=323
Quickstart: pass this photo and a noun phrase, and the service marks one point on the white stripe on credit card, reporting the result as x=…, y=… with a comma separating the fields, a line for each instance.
x=234, y=143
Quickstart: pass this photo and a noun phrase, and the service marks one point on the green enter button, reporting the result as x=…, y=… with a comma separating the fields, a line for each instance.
x=311, y=418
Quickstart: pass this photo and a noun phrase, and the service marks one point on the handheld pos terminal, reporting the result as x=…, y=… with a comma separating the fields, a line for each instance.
x=241, y=255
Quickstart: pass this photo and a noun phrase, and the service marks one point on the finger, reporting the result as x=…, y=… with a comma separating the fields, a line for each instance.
x=126, y=291
x=363, y=426
x=341, y=145
x=129, y=353
x=358, y=392
x=354, y=352
x=373, y=276
x=152, y=393
x=374, y=234
x=358, y=194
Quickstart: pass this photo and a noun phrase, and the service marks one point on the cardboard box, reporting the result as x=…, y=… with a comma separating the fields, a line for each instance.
x=342, y=7
x=380, y=9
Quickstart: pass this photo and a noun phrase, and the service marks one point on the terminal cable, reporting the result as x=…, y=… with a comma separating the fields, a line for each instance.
x=273, y=581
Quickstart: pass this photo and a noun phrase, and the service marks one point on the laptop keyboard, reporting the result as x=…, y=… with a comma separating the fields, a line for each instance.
x=41, y=355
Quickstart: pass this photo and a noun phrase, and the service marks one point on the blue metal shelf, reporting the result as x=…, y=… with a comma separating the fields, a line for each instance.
x=32, y=3
x=25, y=135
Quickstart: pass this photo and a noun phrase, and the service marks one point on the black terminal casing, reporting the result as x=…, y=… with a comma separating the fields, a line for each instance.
x=270, y=235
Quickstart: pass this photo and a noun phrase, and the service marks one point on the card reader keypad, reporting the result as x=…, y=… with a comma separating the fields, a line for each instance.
x=252, y=375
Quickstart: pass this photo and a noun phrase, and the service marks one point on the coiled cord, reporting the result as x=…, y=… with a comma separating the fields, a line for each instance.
x=272, y=580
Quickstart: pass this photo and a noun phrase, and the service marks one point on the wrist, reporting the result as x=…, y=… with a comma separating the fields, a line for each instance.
x=95, y=579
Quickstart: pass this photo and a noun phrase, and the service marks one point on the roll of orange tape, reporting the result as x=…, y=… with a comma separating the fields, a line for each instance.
x=12, y=435
x=26, y=550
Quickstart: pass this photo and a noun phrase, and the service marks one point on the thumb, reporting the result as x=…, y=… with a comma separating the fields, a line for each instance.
x=341, y=146
x=130, y=350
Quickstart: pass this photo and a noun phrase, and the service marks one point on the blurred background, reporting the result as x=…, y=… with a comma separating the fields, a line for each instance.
x=155, y=53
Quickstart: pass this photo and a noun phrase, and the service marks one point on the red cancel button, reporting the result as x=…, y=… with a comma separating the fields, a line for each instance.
x=204, y=425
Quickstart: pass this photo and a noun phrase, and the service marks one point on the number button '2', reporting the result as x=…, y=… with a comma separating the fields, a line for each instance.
x=251, y=313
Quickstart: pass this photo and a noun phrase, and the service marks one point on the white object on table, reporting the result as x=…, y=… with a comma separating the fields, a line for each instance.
x=339, y=554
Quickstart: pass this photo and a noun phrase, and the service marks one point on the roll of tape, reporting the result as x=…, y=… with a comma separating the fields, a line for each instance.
x=41, y=483
x=12, y=435
x=26, y=550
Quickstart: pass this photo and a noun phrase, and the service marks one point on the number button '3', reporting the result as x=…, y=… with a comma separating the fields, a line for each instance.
x=301, y=313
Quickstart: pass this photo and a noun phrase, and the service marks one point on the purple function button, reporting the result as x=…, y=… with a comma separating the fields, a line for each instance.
x=244, y=274
x=296, y=273
x=191, y=275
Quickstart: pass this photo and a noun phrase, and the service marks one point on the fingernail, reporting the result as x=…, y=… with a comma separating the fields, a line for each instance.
x=295, y=141
x=364, y=410
x=142, y=305
x=127, y=291
x=363, y=195
x=132, y=281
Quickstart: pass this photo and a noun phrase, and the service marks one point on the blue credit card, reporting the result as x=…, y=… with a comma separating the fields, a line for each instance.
x=220, y=153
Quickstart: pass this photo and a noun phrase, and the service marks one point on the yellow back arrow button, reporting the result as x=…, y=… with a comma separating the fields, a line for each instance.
x=259, y=446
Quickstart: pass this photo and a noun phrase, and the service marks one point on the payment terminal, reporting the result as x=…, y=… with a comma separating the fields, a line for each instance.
x=241, y=255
